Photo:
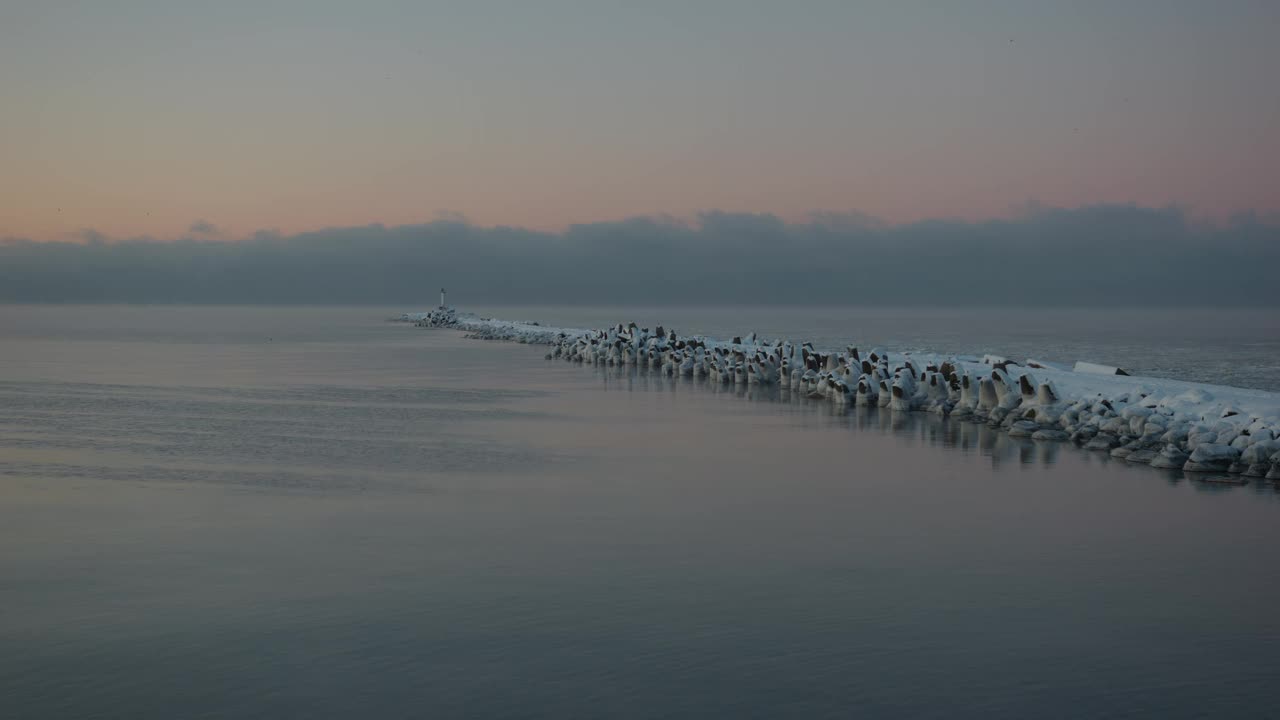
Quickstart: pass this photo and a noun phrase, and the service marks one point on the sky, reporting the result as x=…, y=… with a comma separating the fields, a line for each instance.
x=171, y=119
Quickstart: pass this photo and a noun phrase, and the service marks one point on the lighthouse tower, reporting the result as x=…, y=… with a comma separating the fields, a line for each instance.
x=442, y=303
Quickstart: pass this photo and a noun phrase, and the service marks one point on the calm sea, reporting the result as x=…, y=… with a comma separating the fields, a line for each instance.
x=311, y=512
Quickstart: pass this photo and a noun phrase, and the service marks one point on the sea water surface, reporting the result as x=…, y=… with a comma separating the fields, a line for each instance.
x=311, y=512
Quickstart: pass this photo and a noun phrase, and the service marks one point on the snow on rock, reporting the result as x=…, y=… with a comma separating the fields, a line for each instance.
x=1171, y=458
x=1142, y=457
x=1257, y=459
x=1164, y=423
x=1096, y=369
x=1050, y=434
x=1211, y=457
x=1032, y=363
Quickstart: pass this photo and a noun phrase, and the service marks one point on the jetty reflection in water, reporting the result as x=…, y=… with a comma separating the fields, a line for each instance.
x=909, y=427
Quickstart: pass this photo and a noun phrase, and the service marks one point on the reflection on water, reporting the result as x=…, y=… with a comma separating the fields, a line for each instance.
x=908, y=427
x=292, y=512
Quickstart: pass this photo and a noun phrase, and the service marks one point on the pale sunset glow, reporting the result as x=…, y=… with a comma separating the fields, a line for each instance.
x=139, y=118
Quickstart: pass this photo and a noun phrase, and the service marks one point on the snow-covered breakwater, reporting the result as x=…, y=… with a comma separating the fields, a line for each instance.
x=1163, y=423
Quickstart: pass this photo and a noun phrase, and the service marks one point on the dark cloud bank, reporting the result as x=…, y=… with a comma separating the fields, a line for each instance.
x=1087, y=256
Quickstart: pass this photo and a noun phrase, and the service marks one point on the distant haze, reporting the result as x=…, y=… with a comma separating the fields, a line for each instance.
x=1087, y=256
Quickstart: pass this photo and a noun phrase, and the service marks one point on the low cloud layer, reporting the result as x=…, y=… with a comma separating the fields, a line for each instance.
x=203, y=227
x=1087, y=256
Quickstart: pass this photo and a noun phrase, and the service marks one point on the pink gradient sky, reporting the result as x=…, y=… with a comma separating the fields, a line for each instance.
x=141, y=118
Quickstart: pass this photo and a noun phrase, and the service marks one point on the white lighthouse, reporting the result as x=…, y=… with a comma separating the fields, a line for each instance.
x=442, y=303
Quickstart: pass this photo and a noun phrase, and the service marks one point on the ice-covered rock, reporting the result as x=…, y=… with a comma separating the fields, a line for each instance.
x=988, y=399
x=1170, y=458
x=1115, y=426
x=1201, y=435
x=1209, y=457
x=1096, y=369
x=1176, y=435
x=1084, y=434
x=1260, y=453
x=1142, y=457
x=1050, y=435
x=1103, y=441
x=1023, y=428
x=1123, y=451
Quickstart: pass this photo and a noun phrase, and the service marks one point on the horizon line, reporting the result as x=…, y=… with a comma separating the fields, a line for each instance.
x=202, y=230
